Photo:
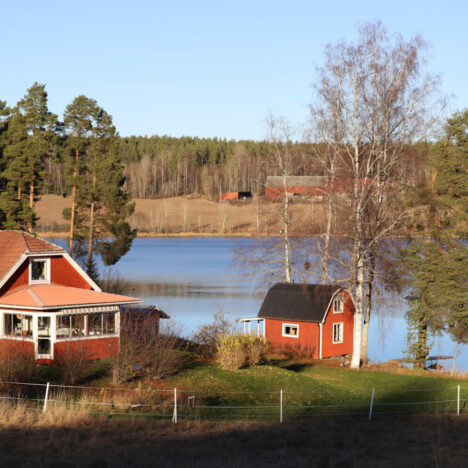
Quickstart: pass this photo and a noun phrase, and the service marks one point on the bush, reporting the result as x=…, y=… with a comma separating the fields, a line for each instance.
x=17, y=363
x=164, y=357
x=72, y=359
x=208, y=336
x=153, y=350
x=238, y=350
x=256, y=347
x=232, y=354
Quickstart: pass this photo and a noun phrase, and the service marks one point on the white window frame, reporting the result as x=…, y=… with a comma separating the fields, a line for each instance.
x=341, y=325
x=47, y=268
x=290, y=325
x=339, y=299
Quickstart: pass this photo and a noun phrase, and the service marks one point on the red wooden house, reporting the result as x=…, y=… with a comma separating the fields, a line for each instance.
x=296, y=187
x=313, y=317
x=47, y=301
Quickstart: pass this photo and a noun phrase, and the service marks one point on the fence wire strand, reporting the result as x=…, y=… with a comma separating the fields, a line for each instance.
x=186, y=406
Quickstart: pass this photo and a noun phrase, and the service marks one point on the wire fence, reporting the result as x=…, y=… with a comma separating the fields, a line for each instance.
x=177, y=404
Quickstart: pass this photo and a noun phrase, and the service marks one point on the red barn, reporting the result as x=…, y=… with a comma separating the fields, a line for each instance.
x=296, y=186
x=48, y=303
x=313, y=317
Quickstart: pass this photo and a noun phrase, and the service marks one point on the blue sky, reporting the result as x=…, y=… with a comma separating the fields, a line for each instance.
x=206, y=68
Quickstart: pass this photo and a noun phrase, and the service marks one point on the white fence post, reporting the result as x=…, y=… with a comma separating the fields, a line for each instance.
x=281, y=406
x=45, y=398
x=371, y=404
x=458, y=400
x=174, y=415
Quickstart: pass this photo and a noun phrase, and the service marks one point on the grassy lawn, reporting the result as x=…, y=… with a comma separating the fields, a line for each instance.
x=69, y=435
x=308, y=385
x=207, y=435
x=309, y=389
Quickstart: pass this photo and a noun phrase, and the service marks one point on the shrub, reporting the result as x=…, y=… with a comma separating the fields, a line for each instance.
x=232, y=354
x=208, y=336
x=17, y=363
x=154, y=350
x=238, y=350
x=256, y=347
x=72, y=359
x=164, y=357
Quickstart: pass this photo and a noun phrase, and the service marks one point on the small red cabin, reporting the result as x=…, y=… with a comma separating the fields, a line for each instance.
x=48, y=303
x=313, y=317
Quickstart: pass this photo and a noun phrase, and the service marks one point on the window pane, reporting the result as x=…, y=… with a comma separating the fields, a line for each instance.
x=290, y=330
x=43, y=346
x=63, y=326
x=95, y=324
x=43, y=326
x=109, y=323
x=38, y=272
x=338, y=332
x=338, y=304
x=18, y=325
x=77, y=325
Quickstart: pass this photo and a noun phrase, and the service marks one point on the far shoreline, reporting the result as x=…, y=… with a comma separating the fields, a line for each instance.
x=56, y=235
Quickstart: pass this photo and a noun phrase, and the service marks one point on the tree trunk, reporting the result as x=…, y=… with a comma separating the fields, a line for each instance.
x=286, y=245
x=73, y=207
x=31, y=204
x=368, y=307
x=357, y=335
x=326, y=247
x=365, y=326
x=91, y=234
x=91, y=221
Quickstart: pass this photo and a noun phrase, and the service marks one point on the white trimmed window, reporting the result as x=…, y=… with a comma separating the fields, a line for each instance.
x=39, y=270
x=18, y=325
x=291, y=330
x=338, y=333
x=101, y=323
x=338, y=304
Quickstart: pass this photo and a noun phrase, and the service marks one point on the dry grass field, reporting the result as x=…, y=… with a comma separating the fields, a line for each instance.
x=195, y=215
x=61, y=438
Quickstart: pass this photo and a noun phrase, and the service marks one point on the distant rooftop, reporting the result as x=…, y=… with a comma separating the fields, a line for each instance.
x=296, y=181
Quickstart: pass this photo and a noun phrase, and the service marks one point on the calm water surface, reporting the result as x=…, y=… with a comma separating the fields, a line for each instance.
x=192, y=278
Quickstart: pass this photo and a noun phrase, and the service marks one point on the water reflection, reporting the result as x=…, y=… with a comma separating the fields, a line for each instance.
x=143, y=289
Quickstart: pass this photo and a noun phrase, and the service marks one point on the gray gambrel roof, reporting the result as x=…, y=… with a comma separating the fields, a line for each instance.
x=296, y=181
x=301, y=302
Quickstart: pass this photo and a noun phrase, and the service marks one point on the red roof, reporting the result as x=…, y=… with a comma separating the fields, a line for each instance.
x=15, y=243
x=49, y=296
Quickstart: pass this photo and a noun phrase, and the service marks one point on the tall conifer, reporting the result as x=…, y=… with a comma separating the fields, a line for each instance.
x=437, y=262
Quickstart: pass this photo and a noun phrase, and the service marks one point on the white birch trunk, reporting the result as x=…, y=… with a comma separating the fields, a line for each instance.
x=358, y=313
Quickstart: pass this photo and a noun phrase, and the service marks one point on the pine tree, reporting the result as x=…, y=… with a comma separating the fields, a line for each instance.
x=79, y=119
x=99, y=203
x=40, y=127
x=15, y=174
x=437, y=262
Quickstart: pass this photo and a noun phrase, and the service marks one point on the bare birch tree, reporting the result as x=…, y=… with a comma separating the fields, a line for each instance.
x=273, y=258
x=371, y=103
x=279, y=135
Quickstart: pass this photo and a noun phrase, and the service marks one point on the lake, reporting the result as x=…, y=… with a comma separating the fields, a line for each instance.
x=192, y=278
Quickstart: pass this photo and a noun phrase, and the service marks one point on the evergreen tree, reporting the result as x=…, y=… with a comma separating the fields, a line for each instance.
x=16, y=213
x=40, y=127
x=99, y=203
x=79, y=120
x=437, y=263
